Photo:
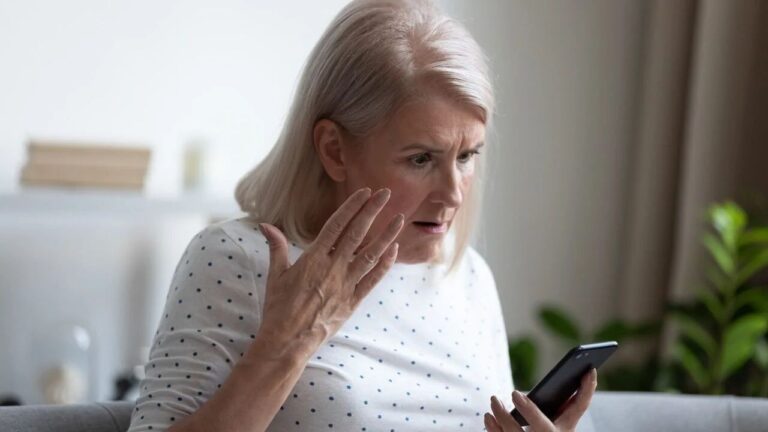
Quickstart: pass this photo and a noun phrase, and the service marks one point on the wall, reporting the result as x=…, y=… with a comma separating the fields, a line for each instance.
x=154, y=73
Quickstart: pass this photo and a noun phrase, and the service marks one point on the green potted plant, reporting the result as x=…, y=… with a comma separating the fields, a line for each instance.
x=722, y=347
x=723, y=342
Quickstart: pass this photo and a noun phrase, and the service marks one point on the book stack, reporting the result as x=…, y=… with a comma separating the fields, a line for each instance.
x=85, y=165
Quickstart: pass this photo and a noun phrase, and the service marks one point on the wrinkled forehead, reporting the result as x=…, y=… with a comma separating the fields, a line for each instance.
x=436, y=122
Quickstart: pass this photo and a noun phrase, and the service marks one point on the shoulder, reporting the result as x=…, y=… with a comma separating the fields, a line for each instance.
x=476, y=265
x=238, y=240
x=242, y=233
x=229, y=255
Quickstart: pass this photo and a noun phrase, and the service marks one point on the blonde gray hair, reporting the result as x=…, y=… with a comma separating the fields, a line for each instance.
x=375, y=56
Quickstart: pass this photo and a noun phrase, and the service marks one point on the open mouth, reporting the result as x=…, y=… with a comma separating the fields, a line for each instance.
x=427, y=224
x=431, y=227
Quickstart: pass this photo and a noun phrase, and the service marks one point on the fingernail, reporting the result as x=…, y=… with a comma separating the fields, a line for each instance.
x=382, y=197
x=498, y=402
x=519, y=398
x=262, y=230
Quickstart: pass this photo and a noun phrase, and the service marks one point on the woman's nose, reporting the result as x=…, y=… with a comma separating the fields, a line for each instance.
x=448, y=192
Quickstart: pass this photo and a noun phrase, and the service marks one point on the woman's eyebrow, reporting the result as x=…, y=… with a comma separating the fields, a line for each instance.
x=419, y=146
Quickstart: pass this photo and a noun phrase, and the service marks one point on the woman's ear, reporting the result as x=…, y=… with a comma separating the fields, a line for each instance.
x=328, y=141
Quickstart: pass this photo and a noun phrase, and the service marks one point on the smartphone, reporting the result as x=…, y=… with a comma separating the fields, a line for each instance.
x=557, y=387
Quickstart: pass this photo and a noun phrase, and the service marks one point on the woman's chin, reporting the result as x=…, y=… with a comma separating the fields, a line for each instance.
x=418, y=255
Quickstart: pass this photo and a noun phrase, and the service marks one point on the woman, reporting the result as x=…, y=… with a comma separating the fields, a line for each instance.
x=348, y=299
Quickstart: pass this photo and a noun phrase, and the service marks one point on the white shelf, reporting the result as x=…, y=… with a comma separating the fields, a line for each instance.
x=53, y=200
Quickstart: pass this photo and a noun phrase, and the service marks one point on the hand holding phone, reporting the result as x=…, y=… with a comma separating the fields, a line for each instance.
x=557, y=387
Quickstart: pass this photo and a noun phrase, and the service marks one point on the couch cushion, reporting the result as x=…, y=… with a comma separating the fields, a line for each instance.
x=65, y=418
x=641, y=412
x=585, y=423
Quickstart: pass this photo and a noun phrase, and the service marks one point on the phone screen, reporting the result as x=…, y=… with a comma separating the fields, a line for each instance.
x=554, y=390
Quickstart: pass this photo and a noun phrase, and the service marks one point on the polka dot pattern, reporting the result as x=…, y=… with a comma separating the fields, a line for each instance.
x=423, y=351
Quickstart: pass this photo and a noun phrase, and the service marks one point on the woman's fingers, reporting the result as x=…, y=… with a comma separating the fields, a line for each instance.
x=490, y=423
x=368, y=257
x=278, y=249
x=359, y=225
x=503, y=417
x=373, y=277
x=536, y=419
x=578, y=406
x=335, y=225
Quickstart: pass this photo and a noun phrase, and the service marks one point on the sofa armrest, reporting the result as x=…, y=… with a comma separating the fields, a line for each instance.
x=641, y=412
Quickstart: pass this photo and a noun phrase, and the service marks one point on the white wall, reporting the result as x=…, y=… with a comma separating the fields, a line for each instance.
x=158, y=73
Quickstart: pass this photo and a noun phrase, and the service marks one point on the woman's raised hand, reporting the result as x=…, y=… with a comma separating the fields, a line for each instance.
x=502, y=421
x=307, y=302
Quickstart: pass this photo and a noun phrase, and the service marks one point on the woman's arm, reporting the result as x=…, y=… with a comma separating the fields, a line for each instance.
x=201, y=374
x=252, y=394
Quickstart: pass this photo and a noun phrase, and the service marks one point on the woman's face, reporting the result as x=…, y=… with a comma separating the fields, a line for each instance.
x=426, y=156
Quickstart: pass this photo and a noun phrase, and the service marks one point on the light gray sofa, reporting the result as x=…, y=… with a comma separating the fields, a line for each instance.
x=609, y=412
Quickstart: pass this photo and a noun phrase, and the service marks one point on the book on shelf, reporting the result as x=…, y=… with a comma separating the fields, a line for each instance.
x=85, y=165
x=67, y=153
x=82, y=176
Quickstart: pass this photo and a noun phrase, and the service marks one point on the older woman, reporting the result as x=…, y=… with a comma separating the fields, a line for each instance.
x=349, y=299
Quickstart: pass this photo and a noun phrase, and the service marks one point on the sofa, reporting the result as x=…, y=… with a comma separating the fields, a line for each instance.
x=609, y=411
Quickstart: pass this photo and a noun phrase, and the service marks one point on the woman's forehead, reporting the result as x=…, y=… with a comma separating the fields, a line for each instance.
x=436, y=122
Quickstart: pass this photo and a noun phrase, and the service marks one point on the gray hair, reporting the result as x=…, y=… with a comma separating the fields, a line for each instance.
x=375, y=56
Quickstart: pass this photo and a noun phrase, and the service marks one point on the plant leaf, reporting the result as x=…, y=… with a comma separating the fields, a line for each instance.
x=729, y=220
x=718, y=279
x=619, y=330
x=756, y=297
x=698, y=334
x=719, y=252
x=523, y=356
x=757, y=263
x=559, y=323
x=691, y=364
x=739, y=342
x=713, y=304
x=613, y=330
x=648, y=328
x=754, y=235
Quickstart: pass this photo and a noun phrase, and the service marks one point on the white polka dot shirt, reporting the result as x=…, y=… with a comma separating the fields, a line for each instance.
x=422, y=352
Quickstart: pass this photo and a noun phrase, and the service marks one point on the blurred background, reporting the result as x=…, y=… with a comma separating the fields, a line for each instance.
x=627, y=197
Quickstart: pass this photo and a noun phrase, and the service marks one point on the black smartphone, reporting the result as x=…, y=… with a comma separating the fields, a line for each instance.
x=557, y=387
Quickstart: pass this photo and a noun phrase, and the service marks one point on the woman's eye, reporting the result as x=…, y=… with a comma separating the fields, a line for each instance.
x=466, y=157
x=420, y=160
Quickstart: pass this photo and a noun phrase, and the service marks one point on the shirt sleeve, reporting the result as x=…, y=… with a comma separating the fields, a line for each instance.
x=211, y=314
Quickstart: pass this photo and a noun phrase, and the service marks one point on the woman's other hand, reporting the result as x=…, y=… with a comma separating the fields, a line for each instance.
x=307, y=302
x=502, y=421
